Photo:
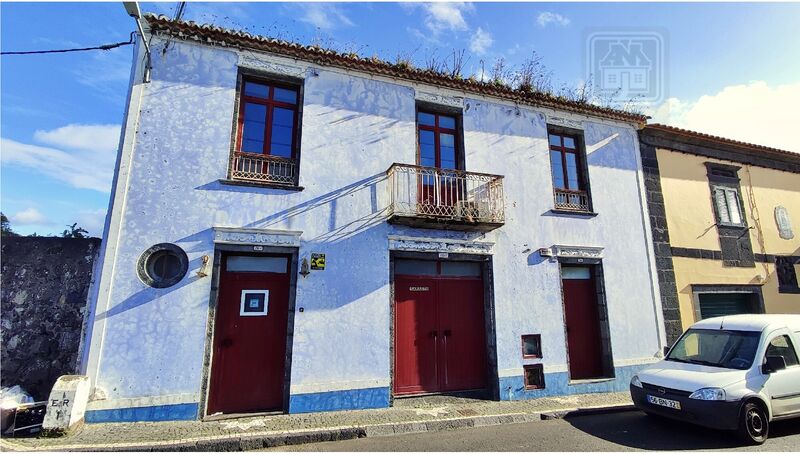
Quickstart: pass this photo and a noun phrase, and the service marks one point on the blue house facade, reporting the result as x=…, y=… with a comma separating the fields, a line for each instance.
x=297, y=230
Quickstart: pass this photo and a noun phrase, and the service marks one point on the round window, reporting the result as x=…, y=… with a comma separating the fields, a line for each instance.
x=163, y=265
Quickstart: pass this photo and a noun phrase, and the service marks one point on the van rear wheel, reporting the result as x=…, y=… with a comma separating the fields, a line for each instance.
x=753, y=424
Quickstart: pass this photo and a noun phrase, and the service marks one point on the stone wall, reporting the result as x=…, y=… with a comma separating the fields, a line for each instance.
x=661, y=244
x=44, y=286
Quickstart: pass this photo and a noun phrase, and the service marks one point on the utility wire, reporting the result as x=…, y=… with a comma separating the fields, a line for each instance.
x=80, y=49
x=179, y=11
x=178, y=14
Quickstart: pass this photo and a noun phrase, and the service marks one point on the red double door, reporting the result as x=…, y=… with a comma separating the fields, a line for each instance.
x=439, y=335
x=249, y=348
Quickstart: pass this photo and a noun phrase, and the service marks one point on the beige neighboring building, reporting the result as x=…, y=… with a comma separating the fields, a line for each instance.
x=725, y=217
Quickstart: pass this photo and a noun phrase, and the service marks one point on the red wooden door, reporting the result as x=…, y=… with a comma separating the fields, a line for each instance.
x=583, y=324
x=439, y=334
x=415, y=335
x=463, y=338
x=248, y=362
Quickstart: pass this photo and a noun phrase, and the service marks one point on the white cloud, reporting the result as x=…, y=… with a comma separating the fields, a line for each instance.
x=325, y=16
x=753, y=112
x=95, y=138
x=442, y=16
x=481, y=41
x=546, y=17
x=82, y=156
x=29, y=216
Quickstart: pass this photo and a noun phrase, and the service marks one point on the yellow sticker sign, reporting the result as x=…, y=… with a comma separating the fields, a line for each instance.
x=317, y=261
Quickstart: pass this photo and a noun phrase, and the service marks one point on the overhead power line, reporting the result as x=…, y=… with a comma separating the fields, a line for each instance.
x=79, y=49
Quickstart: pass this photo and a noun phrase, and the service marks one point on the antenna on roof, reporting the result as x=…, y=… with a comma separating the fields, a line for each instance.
x=132, y=8
x=721, y=322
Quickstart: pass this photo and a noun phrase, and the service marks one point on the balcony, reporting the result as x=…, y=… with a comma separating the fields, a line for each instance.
x=447, y=199
x=263, y=169
x=570, y=200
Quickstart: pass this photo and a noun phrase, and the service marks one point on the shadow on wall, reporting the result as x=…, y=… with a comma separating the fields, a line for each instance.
x=149, y=294
x=607, y=147
x=348, y=236
x=330, y=199
x=190, y=66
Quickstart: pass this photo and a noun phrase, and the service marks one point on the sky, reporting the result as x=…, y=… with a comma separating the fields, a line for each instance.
x=730, y=69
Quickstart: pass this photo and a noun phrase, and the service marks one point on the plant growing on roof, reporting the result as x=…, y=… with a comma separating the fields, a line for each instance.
x=499, y=73
x=532, y=75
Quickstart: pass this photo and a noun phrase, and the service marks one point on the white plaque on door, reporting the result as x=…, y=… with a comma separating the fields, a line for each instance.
x=254, y=303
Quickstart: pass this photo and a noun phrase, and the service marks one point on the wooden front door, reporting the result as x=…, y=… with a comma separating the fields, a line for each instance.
x=248, y=362
x=439, y=334
x=582, y=318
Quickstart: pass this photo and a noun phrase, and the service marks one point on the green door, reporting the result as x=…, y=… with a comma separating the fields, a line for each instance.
x=719, y=304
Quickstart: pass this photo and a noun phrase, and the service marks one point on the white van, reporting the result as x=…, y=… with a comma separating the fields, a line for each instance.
x=735, y=372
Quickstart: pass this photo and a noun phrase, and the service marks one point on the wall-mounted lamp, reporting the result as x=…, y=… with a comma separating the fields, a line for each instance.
x=203, y=266
x=304, y=271
x=546, y=252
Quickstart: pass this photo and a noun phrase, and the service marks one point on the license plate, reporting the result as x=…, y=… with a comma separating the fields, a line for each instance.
x=674, y=404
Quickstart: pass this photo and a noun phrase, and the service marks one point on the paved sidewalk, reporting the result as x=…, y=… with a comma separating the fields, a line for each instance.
x=407, y=416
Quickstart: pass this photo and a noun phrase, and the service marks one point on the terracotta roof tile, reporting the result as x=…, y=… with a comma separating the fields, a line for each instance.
x=213, y=34
x=717, y=139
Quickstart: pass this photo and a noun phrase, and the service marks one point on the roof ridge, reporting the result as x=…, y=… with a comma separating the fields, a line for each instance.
x=376, y=65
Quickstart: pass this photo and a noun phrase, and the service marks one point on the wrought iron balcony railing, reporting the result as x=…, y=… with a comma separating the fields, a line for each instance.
x=433, y=197
x=571, y=200
x=261, y=168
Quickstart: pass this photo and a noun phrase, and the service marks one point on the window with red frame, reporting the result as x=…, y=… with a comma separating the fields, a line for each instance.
x=267, y=118
x=438, y=139
x=565, y=163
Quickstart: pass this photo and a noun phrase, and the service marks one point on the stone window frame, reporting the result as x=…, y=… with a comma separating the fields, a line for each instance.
x=246, y=73
x=718, y=180
x=734, y=239
x=423, y=106
x=583, y=163
x=785, y=269
x=698, y=289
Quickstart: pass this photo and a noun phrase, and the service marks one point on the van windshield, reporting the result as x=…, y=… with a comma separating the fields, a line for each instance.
x=718, y=348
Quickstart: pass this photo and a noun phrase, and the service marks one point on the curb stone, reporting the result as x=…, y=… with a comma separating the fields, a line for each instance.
x=244, y=442
x=586, y=411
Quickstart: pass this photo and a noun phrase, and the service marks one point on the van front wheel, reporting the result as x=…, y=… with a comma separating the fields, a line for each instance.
x=753, y=424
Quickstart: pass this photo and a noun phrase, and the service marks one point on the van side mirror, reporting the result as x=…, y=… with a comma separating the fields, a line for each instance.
x=774, y=364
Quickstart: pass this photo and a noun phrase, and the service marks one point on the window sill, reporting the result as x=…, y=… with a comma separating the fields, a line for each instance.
x=582, y=214
x=252, y=184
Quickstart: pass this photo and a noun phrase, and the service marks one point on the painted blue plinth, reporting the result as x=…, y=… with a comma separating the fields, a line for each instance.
x=557, y=384
x=175, y=412
x=353, y=399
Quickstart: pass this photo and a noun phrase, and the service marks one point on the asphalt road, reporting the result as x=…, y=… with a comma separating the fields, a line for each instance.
x=621, y=431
